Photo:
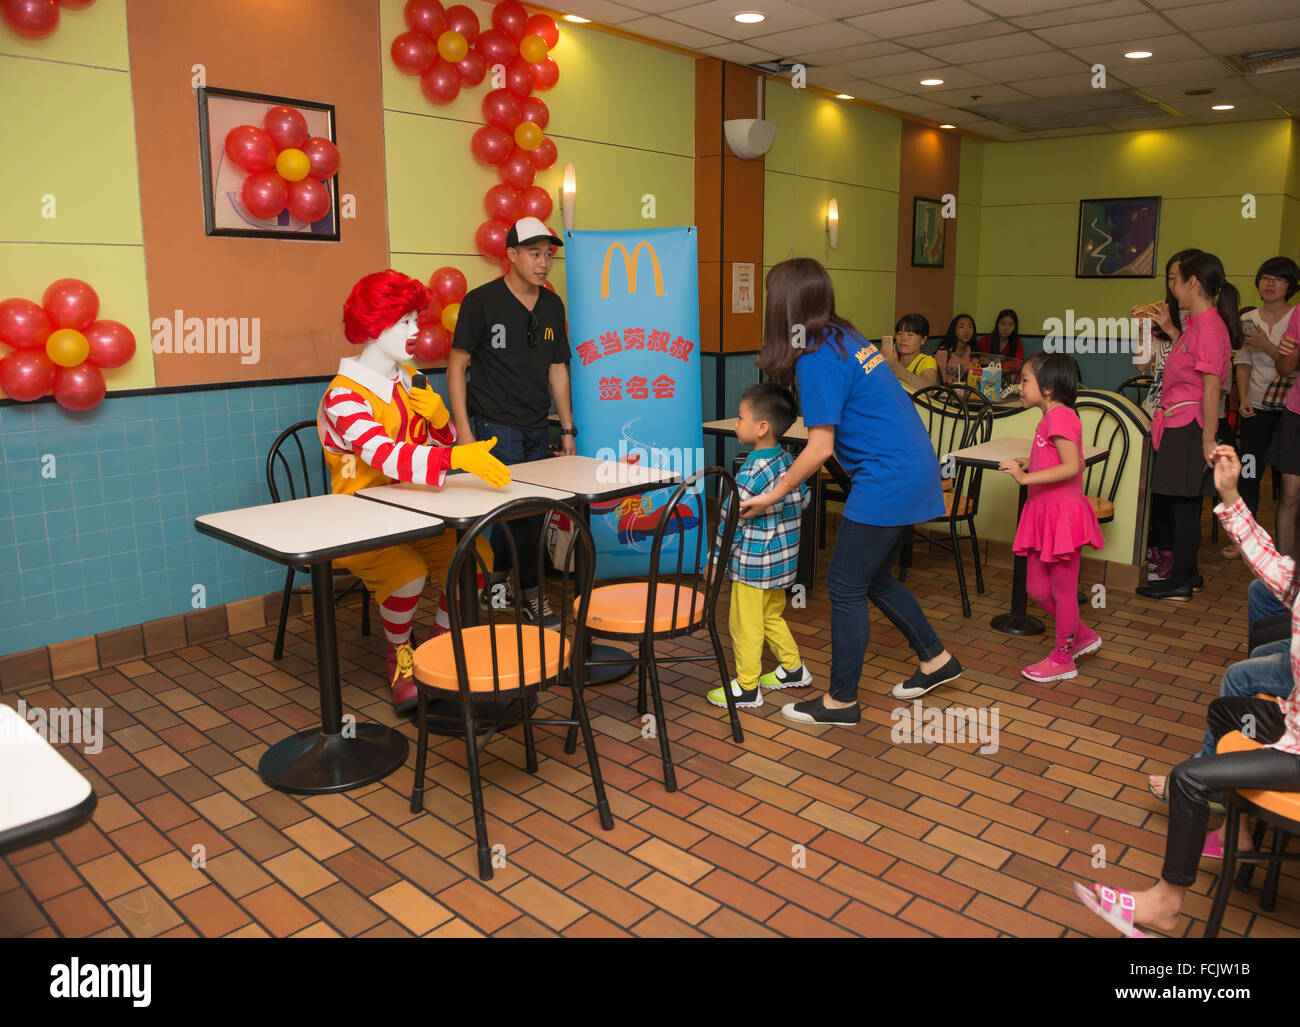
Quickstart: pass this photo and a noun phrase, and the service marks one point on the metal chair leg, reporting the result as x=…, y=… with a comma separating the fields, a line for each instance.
x=530, y=747
x=593, y=761
x=1247, y=871
x=975, y=552
x=1229, y=865
x=736, y=733
x=284, y=614
x=661, y=726
x=641, y=682
x=422, y=749
x=476, y=794
x=961, y=571
x=365, y=611
x=1268, y=899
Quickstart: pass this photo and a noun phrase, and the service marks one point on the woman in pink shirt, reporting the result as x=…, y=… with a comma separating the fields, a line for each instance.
x=1284, y=453
x=1196, y=372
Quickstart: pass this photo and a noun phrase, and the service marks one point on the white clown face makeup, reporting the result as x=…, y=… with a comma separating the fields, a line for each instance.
x=396, y=341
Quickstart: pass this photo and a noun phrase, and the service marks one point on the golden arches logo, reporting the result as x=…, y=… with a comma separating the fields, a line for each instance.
x=629, y=263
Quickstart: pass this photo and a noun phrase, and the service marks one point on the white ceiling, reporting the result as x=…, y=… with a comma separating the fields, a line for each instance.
x=1001, y=51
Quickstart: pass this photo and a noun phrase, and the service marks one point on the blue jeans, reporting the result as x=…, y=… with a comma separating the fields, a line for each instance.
x=1268, y=670
x=861, y=569
x=1260, y=602
x=515, y=446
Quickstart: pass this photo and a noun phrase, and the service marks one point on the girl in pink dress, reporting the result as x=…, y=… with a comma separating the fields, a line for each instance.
x=1057, y=521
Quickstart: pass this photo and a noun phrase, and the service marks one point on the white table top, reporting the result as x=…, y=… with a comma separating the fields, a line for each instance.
x=35, y=781
x=994, y=451
x=462, y=499
x=592, y=480
x=797, y=432
x=302, y=531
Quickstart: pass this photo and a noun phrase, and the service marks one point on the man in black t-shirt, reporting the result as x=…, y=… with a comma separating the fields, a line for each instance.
x=514, y=330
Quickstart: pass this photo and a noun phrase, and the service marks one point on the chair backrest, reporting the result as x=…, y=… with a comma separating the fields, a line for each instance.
x=289, y=464
x=711, y=549
x=945, y=415
x=508, y=630
x=1139, y=385
x=1108, y=432
x=975, y=400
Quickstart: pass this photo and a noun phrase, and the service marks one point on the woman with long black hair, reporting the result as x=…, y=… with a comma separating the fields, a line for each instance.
x=856, y=410
x=1183, y=431
x=1004, y=341
x=955, y=352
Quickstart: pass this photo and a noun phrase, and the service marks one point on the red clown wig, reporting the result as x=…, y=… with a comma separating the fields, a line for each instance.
x=378, y=301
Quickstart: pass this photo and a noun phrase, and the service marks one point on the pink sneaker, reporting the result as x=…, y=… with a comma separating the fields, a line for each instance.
x=1056, y=667
x=1084, y=642
x=1162, y=566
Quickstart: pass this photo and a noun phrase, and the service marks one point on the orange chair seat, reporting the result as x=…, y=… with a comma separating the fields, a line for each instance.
x=964, y=505
x=947, y=484
x=1284, y=804
x=435, y=662
x=622, y=608
x=1103, y=508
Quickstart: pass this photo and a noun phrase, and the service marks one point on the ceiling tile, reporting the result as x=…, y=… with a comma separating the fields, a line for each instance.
x=1248, y=38
x=843, y=55
x=1055, y=85
x=1239, y=12
x=602, y=11
x=1165, y=5
x=891, y=64
x=992, y=92
x=829, y=78
x=802, y=42
x=1108, y=30
x=671, y=32
x=1080, y=12
x=1227, y=88
x=1013, y=45
x=1043, y=65
x=847, y=8
x=913, y=105
x=1144, y=73
x=953, y=78
x=1163, y=49
x=984, y=30
x=1085, y=130
x=738, y=53
x=869, y=91
x=924, y=17
x=718, y=17
x=1012, y=8
x=1276, y=81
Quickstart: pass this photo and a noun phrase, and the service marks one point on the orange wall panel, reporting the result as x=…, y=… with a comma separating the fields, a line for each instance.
x=929, y=166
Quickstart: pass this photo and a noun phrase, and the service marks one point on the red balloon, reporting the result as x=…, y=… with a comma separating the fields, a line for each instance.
x=490, y=238
x=323, y=157
x=501, y=110
x=286, y=126
x=544, y=156
x=111, y=343
x=70, y=303
x=517, y=170
x=461, y=19
x=432, y=344
x=472, y=69
x=510, y=17
x=535, y=202
x=502, y=204
x=440, y=83
x=264, y=194
x=449, y=285
x=24, y=325
x=547, y=72
x=432, y=314
x=520, y=77
x=75, y=5
x=31, y=19
x=548, y=285
x=425, y=16
x=543, y=25
x=505, y=264
x=27, y=375
x=308, y=200
x=412, y=52
x=534, y=110
x=80, y=387
x=250, y=148
x=491, y=145
x=497, y=47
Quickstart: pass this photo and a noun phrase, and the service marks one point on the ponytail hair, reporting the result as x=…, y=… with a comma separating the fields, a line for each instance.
x=1207, y=269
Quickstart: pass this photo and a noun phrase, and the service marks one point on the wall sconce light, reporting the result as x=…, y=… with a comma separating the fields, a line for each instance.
x=569, y=196
x=833, y=222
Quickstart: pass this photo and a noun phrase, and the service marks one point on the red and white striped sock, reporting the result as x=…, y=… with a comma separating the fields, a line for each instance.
x=398, y=611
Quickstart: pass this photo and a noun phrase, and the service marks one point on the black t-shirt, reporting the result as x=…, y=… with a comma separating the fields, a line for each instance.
x=508, y=382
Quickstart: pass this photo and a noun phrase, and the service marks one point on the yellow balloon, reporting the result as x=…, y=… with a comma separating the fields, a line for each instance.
x=292, y=165
x=67, y=347
x=449, y=314
x=452, y=46
x=528, y=136
x=532, y=49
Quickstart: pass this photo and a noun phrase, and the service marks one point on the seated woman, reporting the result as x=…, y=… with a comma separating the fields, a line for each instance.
x=953, y=356
x=1004, y=343
x=913, y=368
x=1276, y=725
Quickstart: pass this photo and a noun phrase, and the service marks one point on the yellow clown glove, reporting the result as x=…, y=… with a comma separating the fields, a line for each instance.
x=429, y=405
x=477, y=459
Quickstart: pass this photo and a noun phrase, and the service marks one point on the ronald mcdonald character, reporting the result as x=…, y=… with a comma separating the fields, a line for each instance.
x=377, y=429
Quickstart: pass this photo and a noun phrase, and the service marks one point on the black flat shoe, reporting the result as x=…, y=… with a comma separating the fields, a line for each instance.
x=1164, y=590
x=919, y=684
x=811, y=711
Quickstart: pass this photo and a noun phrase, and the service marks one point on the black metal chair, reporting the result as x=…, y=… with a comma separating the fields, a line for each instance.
x=1101, y=480
x=951, y=425
x=652, y=610
x=496, y=670
x=281, y=461
x=1139, y=385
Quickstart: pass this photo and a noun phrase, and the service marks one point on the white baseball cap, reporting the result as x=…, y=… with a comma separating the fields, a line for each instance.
x=530, y=230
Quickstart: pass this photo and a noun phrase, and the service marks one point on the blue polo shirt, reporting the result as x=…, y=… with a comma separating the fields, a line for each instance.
x=880, y=440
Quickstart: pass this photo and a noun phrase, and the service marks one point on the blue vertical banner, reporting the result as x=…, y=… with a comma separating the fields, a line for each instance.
x=634, y=330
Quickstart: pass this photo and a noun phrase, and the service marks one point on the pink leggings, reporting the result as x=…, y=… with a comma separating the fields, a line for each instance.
x=1055, y=587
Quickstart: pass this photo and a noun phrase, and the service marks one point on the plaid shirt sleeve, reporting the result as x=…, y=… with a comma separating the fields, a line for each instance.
x=765, y=553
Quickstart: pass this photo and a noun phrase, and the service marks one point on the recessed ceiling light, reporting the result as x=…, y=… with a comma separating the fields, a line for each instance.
x=1223, y=107
x=931, y=81
x=947, y=126
x=843, y=96
x=750, y=17
x=1137, y=55
x=577, y=20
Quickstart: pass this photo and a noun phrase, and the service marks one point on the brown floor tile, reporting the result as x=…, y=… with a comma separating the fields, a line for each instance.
x=212, y=912
x=48, y=876
x=76, y=914
x=689, y=905
x=237, y=874
x=412, y=908
x=478, y=905
x=144, y=913
x=275, y=909
x=345, y=910
x=141, y=841
x=111, y=876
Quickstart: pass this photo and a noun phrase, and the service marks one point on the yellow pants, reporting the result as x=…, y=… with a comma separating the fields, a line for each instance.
x=385, y=570
x=756, y=618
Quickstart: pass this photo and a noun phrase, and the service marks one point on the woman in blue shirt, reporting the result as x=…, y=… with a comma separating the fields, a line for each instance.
x=854, y=408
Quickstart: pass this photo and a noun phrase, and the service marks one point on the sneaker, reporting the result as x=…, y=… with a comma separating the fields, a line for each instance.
x=504, y=588
x=746, y=697
x=1166, y=590
x=919, y=684
x=401, y=676
x=536, y=608
x=1056, y=667
x=811, y=711
x=1162, y=566
x=782, y=678
x=1085, y=642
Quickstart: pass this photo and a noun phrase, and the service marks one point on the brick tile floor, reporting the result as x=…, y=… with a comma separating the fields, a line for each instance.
x=821, y=831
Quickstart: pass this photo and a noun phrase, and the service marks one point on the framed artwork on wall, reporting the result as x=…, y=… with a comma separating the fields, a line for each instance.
x=275, y=191
x=1117, y=238
x=927, y=232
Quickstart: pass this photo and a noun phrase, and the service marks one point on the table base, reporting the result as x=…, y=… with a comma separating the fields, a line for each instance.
x=1017, y=624
x=446, y=717
x=616, y=664
x=313, y=763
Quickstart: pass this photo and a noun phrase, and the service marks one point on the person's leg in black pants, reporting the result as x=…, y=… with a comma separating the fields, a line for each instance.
x=1161, y=535
x=1187, y=537
x=1256, y=434
x=509, y=450
x=534, y=445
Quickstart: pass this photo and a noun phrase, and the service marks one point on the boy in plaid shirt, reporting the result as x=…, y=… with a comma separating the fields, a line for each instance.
x=765, y=554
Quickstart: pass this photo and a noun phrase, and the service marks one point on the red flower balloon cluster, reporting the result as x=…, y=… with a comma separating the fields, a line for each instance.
x=36, y=19
x=59, y=346
x=440, y=48
x=447, y=287
x=285, y=167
